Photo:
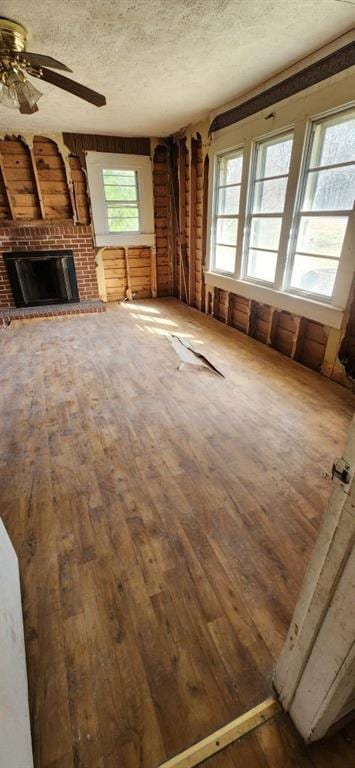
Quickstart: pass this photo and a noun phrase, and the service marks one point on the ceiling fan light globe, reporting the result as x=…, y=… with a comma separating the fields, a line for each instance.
x=26, y=92
x=8, y=97
x=22, y=92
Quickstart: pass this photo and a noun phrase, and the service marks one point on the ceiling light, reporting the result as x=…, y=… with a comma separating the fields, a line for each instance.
x=19, y=92
x=8, y=98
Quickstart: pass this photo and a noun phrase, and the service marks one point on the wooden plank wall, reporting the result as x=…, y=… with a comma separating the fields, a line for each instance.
x=296, y=337
x=201, y=203
x=79, y=143
x=34, y=184
x=162, y=217
x=188, y=192
x=127, y=270
x=347, y=348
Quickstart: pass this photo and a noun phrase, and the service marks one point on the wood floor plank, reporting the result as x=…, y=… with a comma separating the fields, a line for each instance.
x=163, y=520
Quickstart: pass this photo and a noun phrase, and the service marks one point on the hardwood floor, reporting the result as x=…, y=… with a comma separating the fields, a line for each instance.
x=163, y=519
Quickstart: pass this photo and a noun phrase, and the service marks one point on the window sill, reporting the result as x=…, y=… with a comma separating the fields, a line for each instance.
x=125, y=239
x=296, y=305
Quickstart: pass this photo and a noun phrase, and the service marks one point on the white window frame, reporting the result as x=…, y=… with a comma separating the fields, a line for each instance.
x=269, y=138
x=96, y=162
x=340, y=286
x=293, y=114
x=236, y=152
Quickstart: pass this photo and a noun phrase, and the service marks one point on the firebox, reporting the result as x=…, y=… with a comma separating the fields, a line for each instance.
x=42, y=277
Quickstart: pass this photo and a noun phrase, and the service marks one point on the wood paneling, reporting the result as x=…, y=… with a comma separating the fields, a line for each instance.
x=162, y=219
x=239, y=312
x=312, y=345
x=347, y=348
x=283, y=332
x=24, y=203
x=56, y=201
x=162, y=541
x=80, y=190
x=34, y=184
x=79, y=143
x=123, y=270
x=260, y=321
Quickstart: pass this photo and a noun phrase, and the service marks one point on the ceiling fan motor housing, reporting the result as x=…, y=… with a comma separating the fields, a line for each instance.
x=12, y=37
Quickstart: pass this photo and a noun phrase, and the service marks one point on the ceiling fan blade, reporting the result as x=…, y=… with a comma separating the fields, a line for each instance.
x=39, y=60
x=72, y=87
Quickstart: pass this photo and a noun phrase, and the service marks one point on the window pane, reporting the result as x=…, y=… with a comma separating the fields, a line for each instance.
x=314, y=275
x=228, y=200
x=119, y=176
x=225, y=258
x=120, y=193
x=262, y=265
x=269, y=196
x=265, y=233
x=274, y=158
x=230, y=170
x=321, y=234
x=332, y=189
x=334, y=143
x=123, y=225
x=227, y=231
x=122, y=211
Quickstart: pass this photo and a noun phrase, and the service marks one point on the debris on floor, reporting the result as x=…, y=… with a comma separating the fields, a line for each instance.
x=5, y=321
x=189, y=356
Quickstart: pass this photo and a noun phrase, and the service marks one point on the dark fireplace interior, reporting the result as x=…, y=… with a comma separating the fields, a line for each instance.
x=42, y=277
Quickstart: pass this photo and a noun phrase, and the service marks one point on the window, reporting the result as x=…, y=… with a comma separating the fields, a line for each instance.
x=267, y=202
x=229, y=177
x=121, y=194
x=121, y=197
x=327, y=198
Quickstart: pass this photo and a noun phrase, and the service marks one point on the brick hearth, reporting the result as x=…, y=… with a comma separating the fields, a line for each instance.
x=77, y=238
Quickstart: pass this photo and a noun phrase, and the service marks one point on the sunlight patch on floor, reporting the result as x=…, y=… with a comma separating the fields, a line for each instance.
x=161, y=320
x=140, y=307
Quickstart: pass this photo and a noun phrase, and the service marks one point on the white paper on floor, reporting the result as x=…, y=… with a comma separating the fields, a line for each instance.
x=189, y=356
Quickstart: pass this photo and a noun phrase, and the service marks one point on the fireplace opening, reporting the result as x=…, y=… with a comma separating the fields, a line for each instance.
x=42, y=277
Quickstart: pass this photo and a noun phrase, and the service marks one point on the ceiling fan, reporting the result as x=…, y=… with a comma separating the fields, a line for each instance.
x=16, y=91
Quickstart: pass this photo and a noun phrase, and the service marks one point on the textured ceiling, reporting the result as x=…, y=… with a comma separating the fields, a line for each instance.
x=164, y=63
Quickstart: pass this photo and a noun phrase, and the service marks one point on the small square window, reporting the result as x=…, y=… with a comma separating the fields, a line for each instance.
x=121, y=198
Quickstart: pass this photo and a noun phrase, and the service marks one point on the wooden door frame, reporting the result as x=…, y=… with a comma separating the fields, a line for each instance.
x=315, y=674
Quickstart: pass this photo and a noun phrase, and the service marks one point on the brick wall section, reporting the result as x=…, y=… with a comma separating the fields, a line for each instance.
x=161, y=217
x=76, y=238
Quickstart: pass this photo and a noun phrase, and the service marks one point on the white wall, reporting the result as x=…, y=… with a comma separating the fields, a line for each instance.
x=15, y=735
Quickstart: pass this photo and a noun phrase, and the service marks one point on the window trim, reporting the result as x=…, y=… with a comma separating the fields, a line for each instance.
x=96, y=162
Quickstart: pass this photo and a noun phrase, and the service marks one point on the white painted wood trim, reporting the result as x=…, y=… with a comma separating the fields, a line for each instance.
x=15, y=733
x=313, y=674
x=96, y=162
x=296, y=305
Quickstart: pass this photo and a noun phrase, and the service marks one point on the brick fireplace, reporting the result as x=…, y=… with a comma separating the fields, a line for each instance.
x=77, y=239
